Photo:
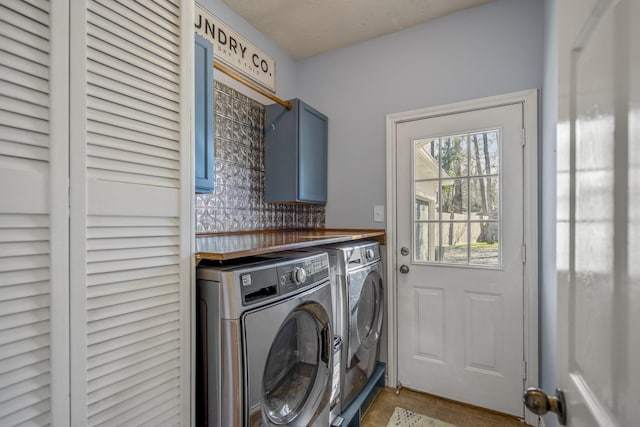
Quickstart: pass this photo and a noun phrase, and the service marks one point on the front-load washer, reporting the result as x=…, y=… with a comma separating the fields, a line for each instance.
x=359, y=310
x=264, y=342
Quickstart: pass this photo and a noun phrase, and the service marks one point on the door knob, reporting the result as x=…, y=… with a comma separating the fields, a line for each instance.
x=404, y=269
x=404, y=251
x=539, y=403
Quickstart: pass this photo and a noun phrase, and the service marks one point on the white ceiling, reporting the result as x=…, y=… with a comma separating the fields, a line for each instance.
x=306, y=28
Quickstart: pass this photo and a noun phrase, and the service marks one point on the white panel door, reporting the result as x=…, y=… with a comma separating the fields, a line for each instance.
x=34, y=328
x=131, y=191
x=460, y=235
x=599, y=211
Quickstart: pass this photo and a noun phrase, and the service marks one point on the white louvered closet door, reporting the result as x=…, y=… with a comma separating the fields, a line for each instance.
x=34, y=325
x=131, y=195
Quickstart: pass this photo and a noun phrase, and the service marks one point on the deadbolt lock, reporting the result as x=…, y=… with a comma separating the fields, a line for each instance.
x=404, y=251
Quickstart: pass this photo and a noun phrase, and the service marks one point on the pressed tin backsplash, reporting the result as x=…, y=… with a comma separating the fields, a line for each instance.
x=237, y=203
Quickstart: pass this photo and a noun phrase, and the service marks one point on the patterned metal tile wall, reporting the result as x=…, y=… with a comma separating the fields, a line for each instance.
x=238, y=201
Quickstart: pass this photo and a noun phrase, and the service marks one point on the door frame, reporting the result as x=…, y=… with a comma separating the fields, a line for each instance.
x=529, y=101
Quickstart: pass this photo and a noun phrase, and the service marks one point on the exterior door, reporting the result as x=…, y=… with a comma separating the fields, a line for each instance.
x=460, y=236
x=599, y=211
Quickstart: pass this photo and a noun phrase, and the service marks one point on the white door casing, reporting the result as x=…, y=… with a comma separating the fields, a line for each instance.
x=598, y=205
x=465, y=341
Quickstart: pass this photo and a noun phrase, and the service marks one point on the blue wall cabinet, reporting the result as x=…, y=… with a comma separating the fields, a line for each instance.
x=203, y=111
x=295, y=154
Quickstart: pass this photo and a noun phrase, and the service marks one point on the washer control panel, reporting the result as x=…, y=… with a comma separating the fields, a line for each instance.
x=298, y=274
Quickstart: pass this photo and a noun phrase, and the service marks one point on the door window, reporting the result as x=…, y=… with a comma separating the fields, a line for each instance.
x=292, y=367
x=456, y=189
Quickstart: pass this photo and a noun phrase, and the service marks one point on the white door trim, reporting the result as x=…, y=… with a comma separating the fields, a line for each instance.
x=529, y=100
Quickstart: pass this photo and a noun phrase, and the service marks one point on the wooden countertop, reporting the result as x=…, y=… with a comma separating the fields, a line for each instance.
x=224, y=246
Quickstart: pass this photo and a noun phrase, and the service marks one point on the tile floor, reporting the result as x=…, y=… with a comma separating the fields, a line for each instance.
x=460, y=414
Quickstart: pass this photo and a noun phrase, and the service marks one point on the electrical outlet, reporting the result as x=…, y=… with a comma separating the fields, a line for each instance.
x=378, y=213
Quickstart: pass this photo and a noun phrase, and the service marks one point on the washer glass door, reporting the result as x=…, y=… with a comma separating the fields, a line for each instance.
x=296, y=365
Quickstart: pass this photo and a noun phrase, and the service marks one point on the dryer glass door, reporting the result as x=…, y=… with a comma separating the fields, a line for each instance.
x=366, y=310
x=296, y=363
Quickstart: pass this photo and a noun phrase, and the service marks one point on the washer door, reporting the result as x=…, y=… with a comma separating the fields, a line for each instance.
x=289, y=377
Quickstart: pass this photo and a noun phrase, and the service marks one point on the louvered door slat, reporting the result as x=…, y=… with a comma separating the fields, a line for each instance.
x=114, y=255
x=125, y=101
x=115, y=120
x=147, y=403
x=101, y=62
x=24, y=52
x=140, y=242
x=24, y=80
x=147, y=142
x=129, y=53
x=35, y=415
x=116, y=357
x=119, y=106
x=143, y=38
x=140, y=316
x=158, y=156
x=153, y=26
x=23, y=23
x=133, y=342
x=22, y=36
x=21, y=64
x=112, y=83
x=13, y=93
x=36, y=11
x=163, y=15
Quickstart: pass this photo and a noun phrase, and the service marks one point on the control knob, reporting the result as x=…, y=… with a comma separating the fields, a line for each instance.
x=299, y=275
x=369, y=254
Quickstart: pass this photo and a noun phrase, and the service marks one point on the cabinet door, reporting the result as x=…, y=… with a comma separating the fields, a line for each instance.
x=312, y=155
x=203, y=112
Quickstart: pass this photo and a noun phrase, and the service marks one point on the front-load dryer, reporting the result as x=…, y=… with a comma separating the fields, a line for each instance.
x=359, y=311
x=265, y=343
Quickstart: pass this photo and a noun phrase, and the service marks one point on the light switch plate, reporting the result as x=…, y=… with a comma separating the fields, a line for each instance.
x=378, y=213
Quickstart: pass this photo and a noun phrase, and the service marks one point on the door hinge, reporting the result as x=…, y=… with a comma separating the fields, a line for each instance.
x=524, y=137
x=524, y=254
x=524, y=369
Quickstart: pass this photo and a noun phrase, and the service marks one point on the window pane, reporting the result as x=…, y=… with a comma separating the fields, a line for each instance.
x=485, y=245
x=484, y=152
x=454, y=160
x=425, y=200
x=426, y=154
x=454, y=197
x=484, y=198
x=426, y=241
x=454, y=242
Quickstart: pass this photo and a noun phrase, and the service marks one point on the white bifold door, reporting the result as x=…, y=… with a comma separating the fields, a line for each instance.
x=95, y=222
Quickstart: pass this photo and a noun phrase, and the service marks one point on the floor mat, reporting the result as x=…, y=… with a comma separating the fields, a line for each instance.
x=405, y=418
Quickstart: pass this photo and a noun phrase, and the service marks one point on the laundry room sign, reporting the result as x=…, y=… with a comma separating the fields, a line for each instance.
x=235, y=51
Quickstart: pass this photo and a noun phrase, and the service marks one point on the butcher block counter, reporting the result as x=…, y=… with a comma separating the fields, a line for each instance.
x=225, y=246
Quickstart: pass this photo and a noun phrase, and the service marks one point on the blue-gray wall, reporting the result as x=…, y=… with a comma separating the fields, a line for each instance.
x=547, y=294
x=488, y=50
